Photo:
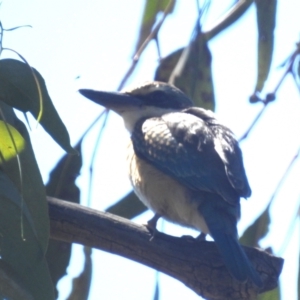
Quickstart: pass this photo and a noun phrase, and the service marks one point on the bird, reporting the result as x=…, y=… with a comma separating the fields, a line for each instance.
x=184, y=165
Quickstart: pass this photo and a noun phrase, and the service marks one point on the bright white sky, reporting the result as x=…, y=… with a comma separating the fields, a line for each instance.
x=94, y=40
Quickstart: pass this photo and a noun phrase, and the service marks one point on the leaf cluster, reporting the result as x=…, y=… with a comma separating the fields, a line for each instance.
x=24, y=220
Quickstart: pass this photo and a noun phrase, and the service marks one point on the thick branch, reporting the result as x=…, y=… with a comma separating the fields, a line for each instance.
x=197, y=264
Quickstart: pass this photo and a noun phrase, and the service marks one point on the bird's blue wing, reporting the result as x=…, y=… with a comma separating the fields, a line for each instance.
x=228, y=150
x=183, y=146
x=201, y=154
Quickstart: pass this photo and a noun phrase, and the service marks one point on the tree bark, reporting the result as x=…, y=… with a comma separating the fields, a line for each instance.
x=195, y=263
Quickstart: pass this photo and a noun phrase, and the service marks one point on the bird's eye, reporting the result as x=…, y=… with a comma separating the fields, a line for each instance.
x=158, y=95
x=158, y=98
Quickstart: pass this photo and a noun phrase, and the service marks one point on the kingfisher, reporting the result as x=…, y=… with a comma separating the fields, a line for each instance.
x=184, y=165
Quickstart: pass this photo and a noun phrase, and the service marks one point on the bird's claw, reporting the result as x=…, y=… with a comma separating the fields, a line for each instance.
x=201, y=237
x=151, y=225
x=188, y=238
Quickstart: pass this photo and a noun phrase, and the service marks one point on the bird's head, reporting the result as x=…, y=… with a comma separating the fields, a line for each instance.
x=153, y=99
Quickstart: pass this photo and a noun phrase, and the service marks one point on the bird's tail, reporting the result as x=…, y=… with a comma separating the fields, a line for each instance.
x=221, y=223
x=235, y=258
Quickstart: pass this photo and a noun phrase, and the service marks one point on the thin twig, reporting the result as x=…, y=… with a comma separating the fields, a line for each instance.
x=284, y=176
x=270, y=97
x=158, y=48
x=288, y=70
x=278, y=187
x=152, y=35
x=94, y=156
x=232, y=15
x=104, y=112
x=179, y=67
x=290, y=232
x=245, y=135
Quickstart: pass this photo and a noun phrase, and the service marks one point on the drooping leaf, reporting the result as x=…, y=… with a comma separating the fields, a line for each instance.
x=11, y=142
x=82, y=283
x=190, y=70
x=270, y=295
x=24, y=173
x=129, y=207
x=11, y=284
x=62, y=178
x=20, y=248
x=62, y=185
x=259, y=228
x=266, y=16
x=20, y=90
x=229, y=18
x=151, y=10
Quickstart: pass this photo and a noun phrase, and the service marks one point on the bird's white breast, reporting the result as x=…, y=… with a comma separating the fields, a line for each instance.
x=162, y=194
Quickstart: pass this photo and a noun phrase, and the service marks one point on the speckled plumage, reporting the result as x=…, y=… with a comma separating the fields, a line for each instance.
x=162, y=194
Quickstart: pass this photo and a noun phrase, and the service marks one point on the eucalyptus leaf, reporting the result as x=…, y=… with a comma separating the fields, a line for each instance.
x=24, y=88
x=266, y=17
x=62, y=185
x=257, y=230
x=151, y=10
x=11, y=286
x=229, y=18
x=270, y=295
x=20, y=248
x=24, y=173
x=190, y=70
x=11, y=142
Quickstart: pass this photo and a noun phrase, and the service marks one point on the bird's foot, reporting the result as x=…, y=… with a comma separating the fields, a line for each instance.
x=188, y=238
x=201, y=237
x=151, y=225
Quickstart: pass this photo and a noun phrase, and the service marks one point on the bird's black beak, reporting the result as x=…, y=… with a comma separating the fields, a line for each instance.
x=111, y=100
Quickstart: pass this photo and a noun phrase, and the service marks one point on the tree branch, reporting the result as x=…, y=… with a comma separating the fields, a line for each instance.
x=197, y=264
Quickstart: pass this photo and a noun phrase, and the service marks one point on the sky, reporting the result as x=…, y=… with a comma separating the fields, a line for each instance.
x=89, y=44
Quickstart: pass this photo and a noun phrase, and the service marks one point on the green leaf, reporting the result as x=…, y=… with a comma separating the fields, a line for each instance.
x=11, y=142
x=128, y=207
x=24, y=220
x=62, y=185
x=58, y=259
x=259, y=228
x=151, y=10
x=229, y=18
x=62, y=178
x=20, y=248
x=20, y=90
x=24, y=173
x=266, y=16
x=270, y=295
x=11, y=284
x=190, y=70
